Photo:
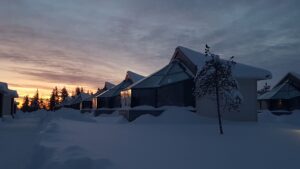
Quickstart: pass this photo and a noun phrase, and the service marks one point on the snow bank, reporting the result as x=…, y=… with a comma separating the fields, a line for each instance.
x=173, y=115
x=289, y=119
x=179, y=138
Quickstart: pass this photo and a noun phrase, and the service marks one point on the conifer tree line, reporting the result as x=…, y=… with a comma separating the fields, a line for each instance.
x=57, y=96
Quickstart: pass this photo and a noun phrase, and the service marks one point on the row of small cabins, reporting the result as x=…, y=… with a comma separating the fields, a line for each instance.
x=173, y=85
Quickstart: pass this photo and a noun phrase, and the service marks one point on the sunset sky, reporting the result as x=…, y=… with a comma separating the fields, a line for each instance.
x=44, y=43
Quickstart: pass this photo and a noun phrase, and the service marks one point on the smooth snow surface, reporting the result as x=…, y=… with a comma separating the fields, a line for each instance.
x=239, y=70
x=178, y=139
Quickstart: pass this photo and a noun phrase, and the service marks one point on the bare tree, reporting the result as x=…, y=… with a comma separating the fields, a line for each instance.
x=215, y=79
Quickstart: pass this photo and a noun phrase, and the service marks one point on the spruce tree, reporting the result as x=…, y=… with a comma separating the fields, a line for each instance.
x=56, y=95
x=35, y=102
x=77, y=91
x=64, y=94
x=25, y=104
x=54, y=99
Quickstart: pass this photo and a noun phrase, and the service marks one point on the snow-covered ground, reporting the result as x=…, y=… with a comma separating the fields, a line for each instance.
x=178, y=139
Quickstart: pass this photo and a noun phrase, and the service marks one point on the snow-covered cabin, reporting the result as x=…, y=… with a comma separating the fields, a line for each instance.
x=170, y=86
x=7, y=100
x=107, y=86
x=66, y=103
x=173, y=86
x=285, y=95
x=112, y=97
x=81, y=101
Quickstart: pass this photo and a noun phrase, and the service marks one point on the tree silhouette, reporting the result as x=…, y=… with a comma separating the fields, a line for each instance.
x=215, y=79
x=64, y=94
x=54, y=99
x=35, y=102
x=77, y=91
x=25, y=105
x=43, y=104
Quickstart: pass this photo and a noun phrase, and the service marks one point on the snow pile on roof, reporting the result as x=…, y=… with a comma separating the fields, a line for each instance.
x=239, y=70
x=82, y=97
x=109, y=85
x=133, y=76
x=296, y=75
x=172, y=73
x=286, y=88
x=6, y=91
x=283, y=91
x=130, y=79
x=66, y=102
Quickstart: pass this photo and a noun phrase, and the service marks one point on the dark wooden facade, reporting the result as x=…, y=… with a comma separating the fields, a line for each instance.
x=176, y=94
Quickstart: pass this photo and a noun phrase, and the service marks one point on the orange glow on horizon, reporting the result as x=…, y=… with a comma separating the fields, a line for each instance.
x=43, y=93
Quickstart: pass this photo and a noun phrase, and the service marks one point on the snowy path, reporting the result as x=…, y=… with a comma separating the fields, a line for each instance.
x=70, y=140
x=18, y=139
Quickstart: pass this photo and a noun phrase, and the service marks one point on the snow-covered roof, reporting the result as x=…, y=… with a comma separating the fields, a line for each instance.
x=66, y=102
x=4, y=89
x=292, y=78
x=82, y=97
x=240, y=70
x=133, y=76
x=295, y=74
x=283, y=91
x=130, y=78
x=171, y=73
x=109, y=85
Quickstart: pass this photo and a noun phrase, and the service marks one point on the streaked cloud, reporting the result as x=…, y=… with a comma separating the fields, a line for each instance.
x=87, y=42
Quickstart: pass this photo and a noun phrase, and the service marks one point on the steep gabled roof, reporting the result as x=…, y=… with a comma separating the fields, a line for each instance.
x=283, y=91
x=195, y=60
x=134, y=77
x=108, y=85
x=292, y=77
x=184, y=65
x=130, y=78
x=82, y=97
x=171, y=73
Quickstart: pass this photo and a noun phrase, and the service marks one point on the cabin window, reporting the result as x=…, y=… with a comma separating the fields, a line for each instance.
x=280, y=103
x=126, y=98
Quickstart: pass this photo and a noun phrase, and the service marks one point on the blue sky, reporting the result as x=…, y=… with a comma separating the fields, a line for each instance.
x=44, y=43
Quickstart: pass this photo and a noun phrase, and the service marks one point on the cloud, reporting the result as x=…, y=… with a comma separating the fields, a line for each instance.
x=94, y=41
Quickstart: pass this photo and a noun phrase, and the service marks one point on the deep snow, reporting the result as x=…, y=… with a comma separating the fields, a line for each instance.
x=67, y=139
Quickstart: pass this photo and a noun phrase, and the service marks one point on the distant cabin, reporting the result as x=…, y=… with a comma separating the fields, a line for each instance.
x=66, y=103
x=78, y=102
x=173, y=86
x=285, y=95
x=107, y=86
x=112, y=97
x=7, y=100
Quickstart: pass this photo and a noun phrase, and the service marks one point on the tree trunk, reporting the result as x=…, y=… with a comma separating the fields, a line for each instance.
x=218, y=105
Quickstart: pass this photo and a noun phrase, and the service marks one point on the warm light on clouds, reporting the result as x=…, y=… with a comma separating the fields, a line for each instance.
x=85, y=43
